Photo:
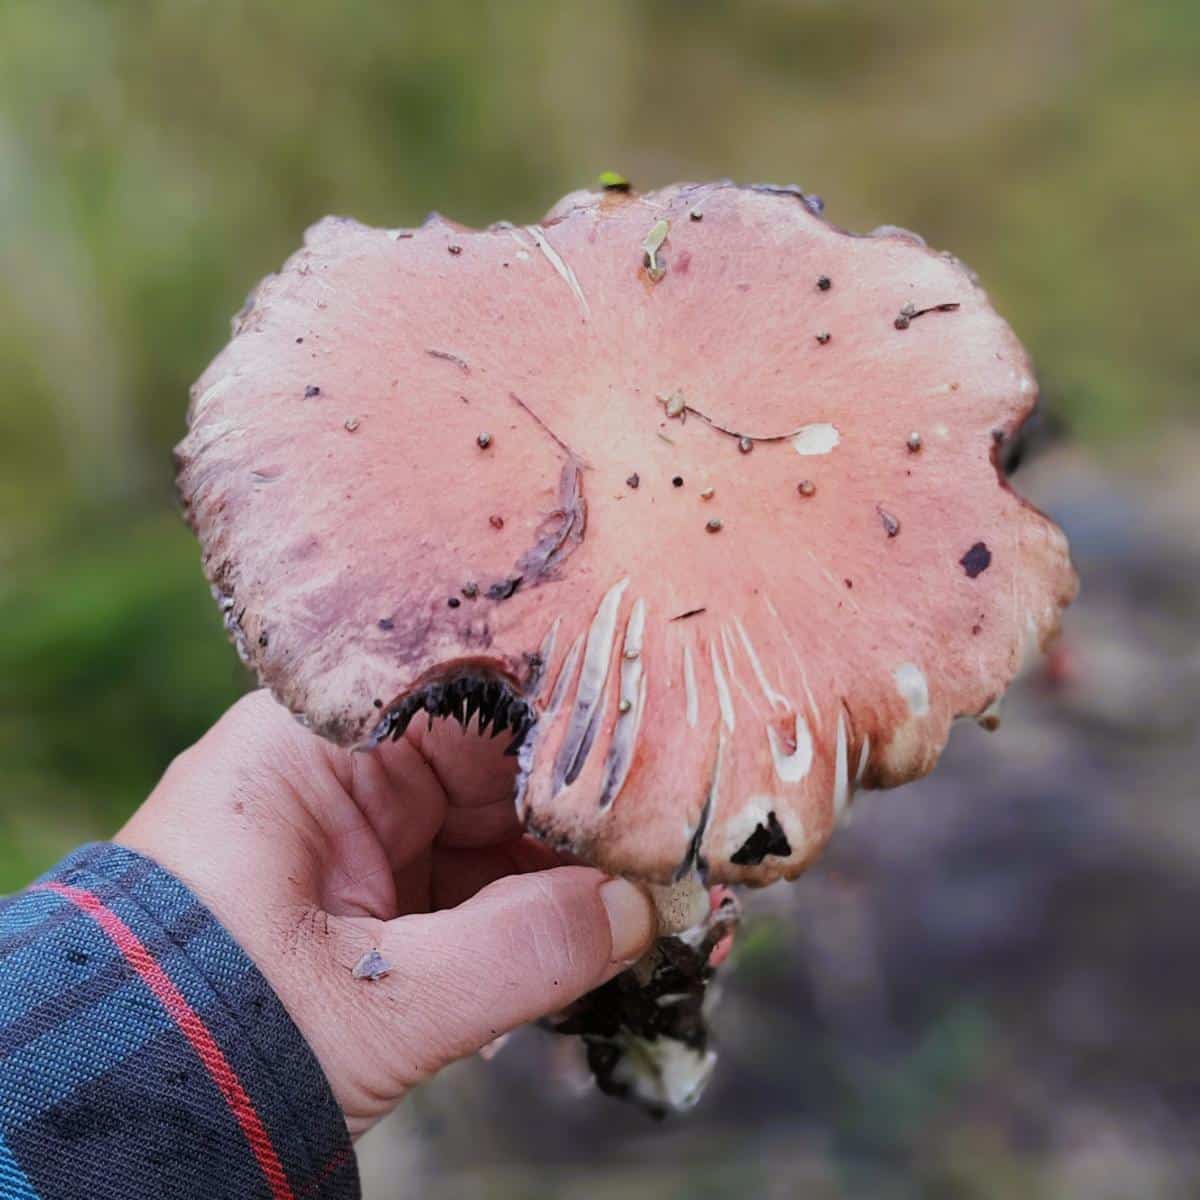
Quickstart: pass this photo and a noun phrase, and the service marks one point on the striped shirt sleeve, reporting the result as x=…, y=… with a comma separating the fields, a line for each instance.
x=142, y=1053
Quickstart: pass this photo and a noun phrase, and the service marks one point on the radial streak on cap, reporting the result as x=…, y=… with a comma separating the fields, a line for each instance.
x=814, y=708
x=841, y=769
x=692, y=702
x=792, y=766
x=864, y=756
x=727, y=647
x=556, y=261
x=565, y=674
x=633, y=696
x=724, y=699
x=593, y=679
x=773, y=697
x=546, y=655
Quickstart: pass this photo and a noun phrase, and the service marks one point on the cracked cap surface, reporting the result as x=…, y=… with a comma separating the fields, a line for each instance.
x=412, y=463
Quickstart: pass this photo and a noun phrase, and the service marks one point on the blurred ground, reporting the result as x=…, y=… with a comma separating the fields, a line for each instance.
x=988, y=988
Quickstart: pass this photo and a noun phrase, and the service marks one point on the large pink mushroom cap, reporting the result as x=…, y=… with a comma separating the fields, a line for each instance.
x=692, y=493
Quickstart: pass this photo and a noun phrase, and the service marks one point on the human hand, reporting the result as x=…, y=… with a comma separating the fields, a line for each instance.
x=311, y=856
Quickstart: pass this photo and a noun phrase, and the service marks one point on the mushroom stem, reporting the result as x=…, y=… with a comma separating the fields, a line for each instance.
x=680, y=906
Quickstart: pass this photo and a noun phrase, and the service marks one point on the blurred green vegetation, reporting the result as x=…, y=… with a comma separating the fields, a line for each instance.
x=157, y=159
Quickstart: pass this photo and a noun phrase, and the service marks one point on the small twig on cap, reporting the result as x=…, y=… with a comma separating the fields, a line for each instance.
x=447, y=356
x=677, y=408
x=909, y=313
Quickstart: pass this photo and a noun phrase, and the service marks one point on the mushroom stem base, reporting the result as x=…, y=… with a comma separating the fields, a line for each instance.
x=646, y=1032
x=681, y=906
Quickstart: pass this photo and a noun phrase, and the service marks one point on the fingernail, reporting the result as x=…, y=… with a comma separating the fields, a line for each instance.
x=630, y=917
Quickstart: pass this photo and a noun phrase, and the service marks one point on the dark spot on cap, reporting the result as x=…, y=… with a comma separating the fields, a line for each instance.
x=299, y=340
x=453, y=601
x=677, y=481
x=311, y=391
x=976, y=560
x=848, y=582
x=377, y=702
x=824, y=283
x=890, y=525
x=262, y=639
x=806, y=487
x=470, y=590
x=823, y=338
x=633, y=480
x=483, y=441
x=496, y=522
x=766, y=839
x=386, y=623
x=454, y=249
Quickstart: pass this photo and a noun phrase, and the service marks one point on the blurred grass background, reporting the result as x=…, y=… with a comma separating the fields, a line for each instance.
x=156, y=159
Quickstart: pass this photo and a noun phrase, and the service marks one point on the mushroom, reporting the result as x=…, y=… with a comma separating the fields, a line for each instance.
x=686, y=709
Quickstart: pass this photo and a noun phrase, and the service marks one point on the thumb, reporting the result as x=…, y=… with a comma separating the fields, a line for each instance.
x=522, y=948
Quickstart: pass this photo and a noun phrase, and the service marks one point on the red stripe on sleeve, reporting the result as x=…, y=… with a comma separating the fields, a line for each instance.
x=190, y=1025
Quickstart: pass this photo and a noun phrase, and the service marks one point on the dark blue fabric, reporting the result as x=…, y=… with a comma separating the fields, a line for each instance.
x=101, y=1093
